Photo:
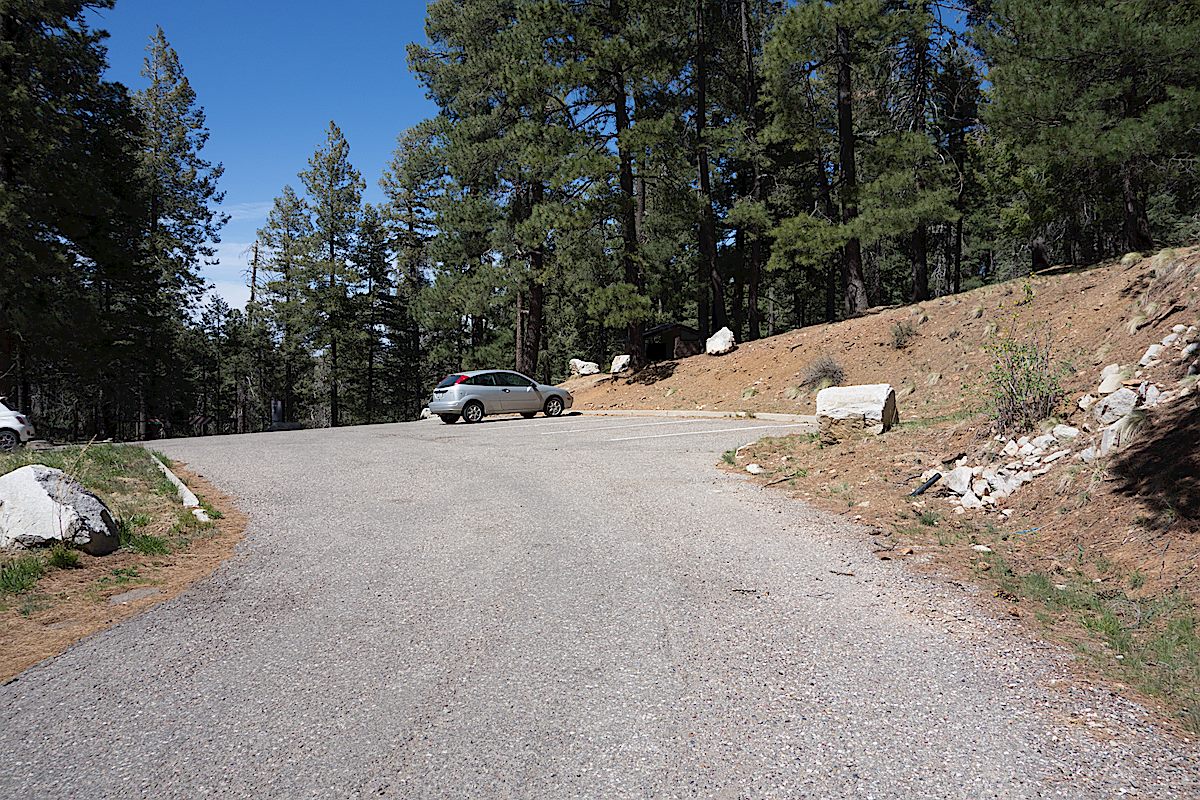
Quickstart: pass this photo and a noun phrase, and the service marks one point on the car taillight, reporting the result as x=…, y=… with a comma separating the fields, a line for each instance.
x=461, y=379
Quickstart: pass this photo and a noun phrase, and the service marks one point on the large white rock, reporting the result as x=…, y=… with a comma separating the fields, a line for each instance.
x=621, y=364
x=581, y=367
x=869, y=408
x=720, y=343
x=1115, y=406
x=1151, y=354
x=40, y=505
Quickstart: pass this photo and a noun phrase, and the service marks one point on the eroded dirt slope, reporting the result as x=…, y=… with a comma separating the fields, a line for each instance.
x=1093, y=317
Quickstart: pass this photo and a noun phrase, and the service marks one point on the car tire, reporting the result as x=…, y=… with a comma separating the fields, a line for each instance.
x=554, y=407
x=472, y=412
x=449, y=419
x=528, y=414
x=9, y=441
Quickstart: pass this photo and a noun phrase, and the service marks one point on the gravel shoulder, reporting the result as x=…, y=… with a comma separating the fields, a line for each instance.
x=559, y=608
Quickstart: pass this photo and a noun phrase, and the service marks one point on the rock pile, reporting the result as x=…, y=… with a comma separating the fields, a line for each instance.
x=1125, y=390
x=1113, y=414
x=985, y=485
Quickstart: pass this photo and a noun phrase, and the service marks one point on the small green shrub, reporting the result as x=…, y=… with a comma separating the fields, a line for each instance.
x=729, y=457
x=823, y=373
x=902, y=334
x=21, y=574
x=1024, y=384
x=63, y=557
x=149, y=545
x=929, y=518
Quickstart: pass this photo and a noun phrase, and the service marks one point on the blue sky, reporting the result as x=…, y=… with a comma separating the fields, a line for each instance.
x=270, y=75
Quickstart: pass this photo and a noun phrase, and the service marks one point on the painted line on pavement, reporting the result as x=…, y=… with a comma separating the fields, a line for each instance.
x=587, y=428
x=719, y=430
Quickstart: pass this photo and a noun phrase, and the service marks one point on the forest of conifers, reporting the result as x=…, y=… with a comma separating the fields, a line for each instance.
x=595, y=168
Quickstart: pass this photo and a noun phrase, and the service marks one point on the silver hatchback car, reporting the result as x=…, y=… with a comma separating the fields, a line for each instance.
x=474, y=395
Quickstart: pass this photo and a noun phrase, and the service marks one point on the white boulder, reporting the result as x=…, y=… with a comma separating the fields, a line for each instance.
x=581, y=367
x=1115, y=406
x=621, y=364
x=1110, y=379
x=40, y=506
x=425, y=414
x=842, y=410
x=720, y=343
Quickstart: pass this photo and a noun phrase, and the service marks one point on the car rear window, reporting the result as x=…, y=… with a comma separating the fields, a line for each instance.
x=449, y=380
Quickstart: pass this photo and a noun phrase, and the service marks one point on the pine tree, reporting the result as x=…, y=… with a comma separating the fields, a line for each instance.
x=183, y=224
x=65, y=151
x=287, y=237
x=1097, y=89
x=334, y=188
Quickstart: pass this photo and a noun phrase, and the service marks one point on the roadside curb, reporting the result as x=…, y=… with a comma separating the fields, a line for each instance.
x=186, y=495
x=770, y=416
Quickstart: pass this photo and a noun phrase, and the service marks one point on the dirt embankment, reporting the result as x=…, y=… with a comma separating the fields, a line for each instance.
x=939, y=371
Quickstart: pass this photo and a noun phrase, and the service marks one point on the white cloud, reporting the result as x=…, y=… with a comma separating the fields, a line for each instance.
x=248, y=212
x=236, y=294
x=229, y=274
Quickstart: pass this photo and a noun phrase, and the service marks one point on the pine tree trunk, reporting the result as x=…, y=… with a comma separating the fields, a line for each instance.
x=852, y=272
x=1137, y=224
x=708, y=227
x=920, y=264
x=754, y=261
x=334, y=320
x=627, y=211
x=956, y=256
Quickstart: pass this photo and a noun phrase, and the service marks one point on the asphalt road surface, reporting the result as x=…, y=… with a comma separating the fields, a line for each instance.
x=580, y=607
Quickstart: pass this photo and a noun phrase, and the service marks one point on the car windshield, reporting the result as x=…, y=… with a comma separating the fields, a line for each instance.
x=449, y=380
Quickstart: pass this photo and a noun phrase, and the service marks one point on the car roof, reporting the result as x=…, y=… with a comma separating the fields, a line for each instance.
x=472, y=373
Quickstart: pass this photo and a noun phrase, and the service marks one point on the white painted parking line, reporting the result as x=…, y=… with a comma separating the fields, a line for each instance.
x=586, y=428
x=704, y=433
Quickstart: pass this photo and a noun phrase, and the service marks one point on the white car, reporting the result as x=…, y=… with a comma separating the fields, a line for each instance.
x=15, y=429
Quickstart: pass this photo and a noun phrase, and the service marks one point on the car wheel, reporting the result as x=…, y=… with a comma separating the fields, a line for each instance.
x=472, y=411
x=449, y=419
x=554, y=407
x=528, y=414
x=8, y=441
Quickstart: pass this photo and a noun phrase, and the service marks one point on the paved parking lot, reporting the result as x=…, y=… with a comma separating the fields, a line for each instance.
x=578, y=607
